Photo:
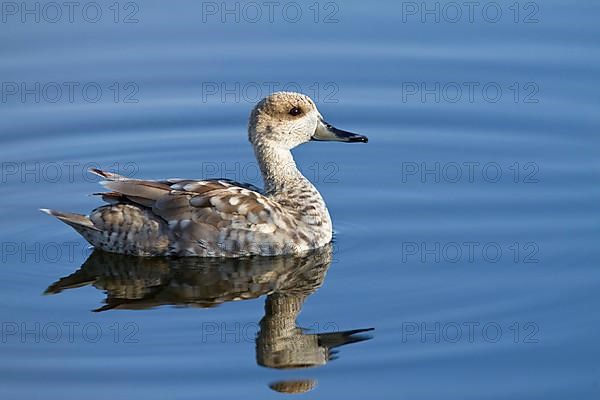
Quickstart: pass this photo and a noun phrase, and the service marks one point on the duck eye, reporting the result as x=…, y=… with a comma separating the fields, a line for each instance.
x=295, y=111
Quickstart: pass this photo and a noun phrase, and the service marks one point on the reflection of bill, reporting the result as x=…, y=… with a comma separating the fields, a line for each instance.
x=136, y=283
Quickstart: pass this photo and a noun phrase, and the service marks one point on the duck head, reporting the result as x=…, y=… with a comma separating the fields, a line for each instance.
x=288, y=119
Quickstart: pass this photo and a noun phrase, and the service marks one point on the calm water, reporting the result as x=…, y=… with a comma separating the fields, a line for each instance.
x=466, y=230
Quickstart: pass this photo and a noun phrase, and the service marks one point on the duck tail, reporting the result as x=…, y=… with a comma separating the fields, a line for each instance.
x=110, y=176
x=111, y=221
x=79, y=222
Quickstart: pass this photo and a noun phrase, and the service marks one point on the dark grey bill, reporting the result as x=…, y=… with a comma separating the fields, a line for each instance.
x=327, y=132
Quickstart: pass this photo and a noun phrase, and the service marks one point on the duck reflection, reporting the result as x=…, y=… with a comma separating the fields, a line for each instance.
x=135, y=283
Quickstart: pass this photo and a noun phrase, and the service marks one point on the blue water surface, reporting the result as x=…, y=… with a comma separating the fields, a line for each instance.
x=466, y=230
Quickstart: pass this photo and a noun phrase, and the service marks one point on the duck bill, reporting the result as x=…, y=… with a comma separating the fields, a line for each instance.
x=327, y=132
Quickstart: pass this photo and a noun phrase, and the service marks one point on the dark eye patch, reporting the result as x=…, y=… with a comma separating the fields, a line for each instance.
x=295, y=111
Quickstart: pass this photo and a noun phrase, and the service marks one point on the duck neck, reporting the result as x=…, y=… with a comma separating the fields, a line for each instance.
x=278, y=168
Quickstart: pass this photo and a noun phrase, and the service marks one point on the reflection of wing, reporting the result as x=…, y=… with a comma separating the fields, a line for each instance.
x=207, y=217
x=142, y=282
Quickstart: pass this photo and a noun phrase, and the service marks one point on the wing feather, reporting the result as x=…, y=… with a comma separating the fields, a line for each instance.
x=212, y=214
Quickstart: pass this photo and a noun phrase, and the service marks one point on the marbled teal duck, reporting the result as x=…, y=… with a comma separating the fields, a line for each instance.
x=223, y=218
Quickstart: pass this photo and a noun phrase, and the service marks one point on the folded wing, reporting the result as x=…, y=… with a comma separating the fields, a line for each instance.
x=208, y=217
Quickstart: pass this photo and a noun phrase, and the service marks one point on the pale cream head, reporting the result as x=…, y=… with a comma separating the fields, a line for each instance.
x=288, y=119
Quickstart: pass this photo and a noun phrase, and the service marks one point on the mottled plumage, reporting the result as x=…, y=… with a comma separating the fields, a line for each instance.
x=223, y=218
